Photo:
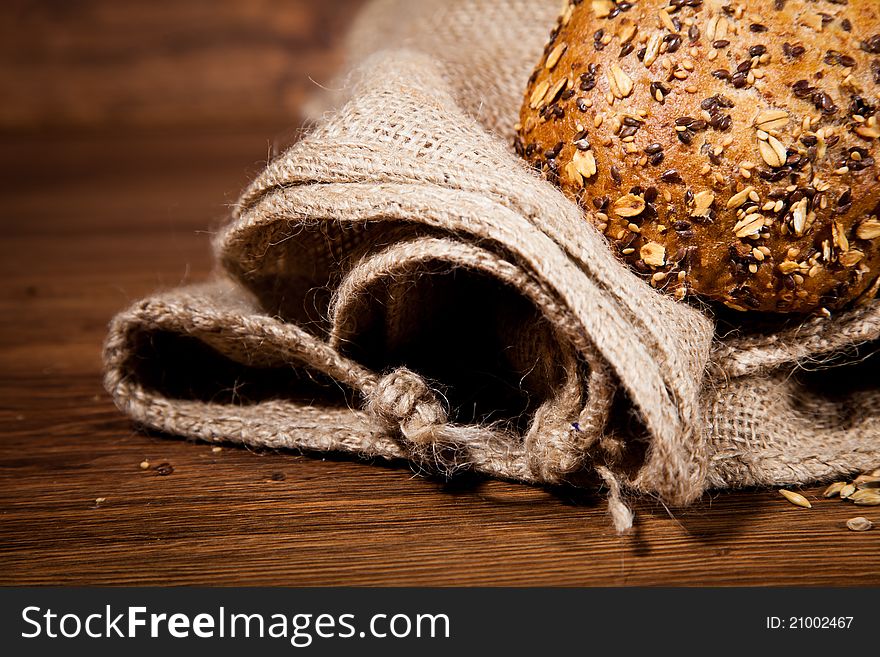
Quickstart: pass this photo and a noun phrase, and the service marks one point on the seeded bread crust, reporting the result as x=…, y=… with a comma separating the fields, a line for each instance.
x=726, y=149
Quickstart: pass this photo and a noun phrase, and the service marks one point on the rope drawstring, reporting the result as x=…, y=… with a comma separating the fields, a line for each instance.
x=406, y=405
x=621, y=515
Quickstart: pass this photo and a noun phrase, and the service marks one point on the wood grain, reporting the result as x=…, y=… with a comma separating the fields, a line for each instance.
x=162, y=62
x=93, y=219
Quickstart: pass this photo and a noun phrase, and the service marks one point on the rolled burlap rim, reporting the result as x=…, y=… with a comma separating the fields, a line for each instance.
x=399, y=285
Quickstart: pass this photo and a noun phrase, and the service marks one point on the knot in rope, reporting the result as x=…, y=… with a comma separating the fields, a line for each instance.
x=402, y=400
x=409, y=408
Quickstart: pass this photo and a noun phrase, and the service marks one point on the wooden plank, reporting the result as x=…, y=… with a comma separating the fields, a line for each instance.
x=98, y=62
x=128, y=129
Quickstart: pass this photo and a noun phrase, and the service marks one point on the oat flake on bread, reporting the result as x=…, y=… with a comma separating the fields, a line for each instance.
x=747, y=130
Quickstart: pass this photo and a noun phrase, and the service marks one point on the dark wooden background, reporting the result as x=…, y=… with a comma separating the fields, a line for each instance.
x=127, y=129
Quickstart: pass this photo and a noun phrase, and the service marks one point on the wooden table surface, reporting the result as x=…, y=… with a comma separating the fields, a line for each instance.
x=113, y=172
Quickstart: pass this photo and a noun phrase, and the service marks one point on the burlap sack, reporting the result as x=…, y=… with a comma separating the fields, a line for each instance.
x=399, y=285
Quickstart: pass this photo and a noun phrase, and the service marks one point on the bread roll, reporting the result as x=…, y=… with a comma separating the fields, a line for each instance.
x=726, y=149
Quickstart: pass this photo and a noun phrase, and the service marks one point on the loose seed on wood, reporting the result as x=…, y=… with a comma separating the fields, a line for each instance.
x=795, y=498
x=859, y=524
x=867, y=496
